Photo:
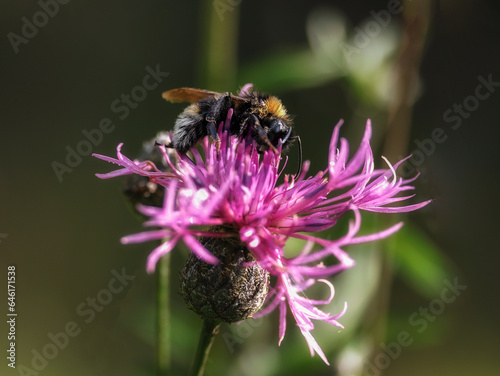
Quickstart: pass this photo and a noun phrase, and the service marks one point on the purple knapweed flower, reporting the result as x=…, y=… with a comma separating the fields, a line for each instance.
x=238, y=187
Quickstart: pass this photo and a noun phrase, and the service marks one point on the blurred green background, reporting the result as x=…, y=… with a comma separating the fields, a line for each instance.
x=418, y=69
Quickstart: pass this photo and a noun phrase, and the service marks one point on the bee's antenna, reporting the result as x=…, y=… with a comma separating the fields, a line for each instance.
x=299, y=168
x=169, y=145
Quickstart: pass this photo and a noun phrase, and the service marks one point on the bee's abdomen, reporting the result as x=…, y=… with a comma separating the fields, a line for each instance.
x=189, y=129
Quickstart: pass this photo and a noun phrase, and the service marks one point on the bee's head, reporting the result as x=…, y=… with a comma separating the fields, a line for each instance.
x=277, y=124
x=278, y=129
x=281, y=129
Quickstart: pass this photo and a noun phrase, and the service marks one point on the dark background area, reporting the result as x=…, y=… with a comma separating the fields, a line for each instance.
x=63, y=236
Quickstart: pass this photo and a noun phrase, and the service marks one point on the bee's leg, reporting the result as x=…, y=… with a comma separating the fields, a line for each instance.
x=212, y=132
x=259, y=134
x=246, y=126
x=217, y=114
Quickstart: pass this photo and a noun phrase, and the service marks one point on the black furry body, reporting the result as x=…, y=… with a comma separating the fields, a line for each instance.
x=259, y=116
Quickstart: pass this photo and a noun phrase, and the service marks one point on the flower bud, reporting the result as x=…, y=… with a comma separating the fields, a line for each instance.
x=230, y=291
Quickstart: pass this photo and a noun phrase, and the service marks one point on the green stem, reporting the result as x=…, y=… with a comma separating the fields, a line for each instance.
x=163, y=323
x=208, y=331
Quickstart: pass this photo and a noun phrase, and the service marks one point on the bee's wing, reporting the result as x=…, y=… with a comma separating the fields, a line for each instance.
x=187, y=94
x=239, y=100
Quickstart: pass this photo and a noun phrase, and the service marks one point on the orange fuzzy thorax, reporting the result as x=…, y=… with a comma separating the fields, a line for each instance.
x=275, y=107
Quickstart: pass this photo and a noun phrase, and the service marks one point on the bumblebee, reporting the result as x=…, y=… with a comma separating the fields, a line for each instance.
x=257, y=115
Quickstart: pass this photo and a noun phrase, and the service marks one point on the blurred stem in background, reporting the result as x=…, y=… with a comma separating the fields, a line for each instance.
x=416, y=17
x=219, y=39
x=163, y=316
